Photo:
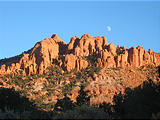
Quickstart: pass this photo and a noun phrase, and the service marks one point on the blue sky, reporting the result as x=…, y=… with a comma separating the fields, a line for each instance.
x=132, y=23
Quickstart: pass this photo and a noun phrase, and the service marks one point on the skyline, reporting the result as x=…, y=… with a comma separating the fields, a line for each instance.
x=128, y=24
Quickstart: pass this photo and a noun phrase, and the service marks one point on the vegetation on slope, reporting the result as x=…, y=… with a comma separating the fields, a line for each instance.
x=48, y=95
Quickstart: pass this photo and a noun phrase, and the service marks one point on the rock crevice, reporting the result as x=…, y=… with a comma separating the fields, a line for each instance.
x=74, y=56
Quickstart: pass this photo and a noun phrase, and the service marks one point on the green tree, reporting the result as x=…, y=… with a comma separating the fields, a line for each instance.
x=82, y=97
x=64, y=104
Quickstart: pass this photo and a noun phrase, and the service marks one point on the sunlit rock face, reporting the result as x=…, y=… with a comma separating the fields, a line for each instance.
x=78, y=54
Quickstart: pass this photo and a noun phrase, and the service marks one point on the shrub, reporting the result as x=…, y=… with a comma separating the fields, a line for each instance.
x=82, y=97
x=11, y=114
x=55, y=70
x=13, y=100
x=156, y=116
x=120, y=51
x=89, y=71
x=83, y=112
x=93, y=59
x=64, y=104
x=67, y=88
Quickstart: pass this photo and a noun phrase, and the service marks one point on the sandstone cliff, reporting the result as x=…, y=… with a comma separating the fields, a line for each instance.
x=78, y=54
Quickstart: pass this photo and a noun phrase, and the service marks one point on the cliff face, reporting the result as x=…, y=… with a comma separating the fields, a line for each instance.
x=78, y=54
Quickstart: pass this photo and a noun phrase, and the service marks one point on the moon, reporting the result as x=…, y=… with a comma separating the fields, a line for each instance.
x=109, y=28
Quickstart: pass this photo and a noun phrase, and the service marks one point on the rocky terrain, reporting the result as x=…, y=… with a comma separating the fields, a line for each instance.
x=77, y=55
x=86, y=69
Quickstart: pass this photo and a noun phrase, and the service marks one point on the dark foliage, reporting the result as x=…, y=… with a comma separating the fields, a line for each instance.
x=159, y=71
x=89, y=71
x=93, y=59
x=82, y=97
x=13, y=100
x=7, y=61
x=64, y=104
x=139, y=103
x=120, y=51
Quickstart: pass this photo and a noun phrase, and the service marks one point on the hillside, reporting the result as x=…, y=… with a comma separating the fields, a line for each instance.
x=88, y=75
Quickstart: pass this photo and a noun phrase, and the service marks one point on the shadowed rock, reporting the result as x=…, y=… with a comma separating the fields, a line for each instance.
x=72, y=56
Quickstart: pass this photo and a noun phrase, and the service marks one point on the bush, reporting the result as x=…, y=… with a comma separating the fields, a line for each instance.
x=55, y=70
x=68, y=87
x=89, y=71
x=82, y=97
x=11, y=114
x=156, y=116
x=83, y=112
x=13, y=100
x=93, y=59
x=64, y=104
x=120, y=51
x=139, y=103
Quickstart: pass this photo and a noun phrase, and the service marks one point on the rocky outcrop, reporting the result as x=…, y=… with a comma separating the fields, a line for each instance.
x=78, y=54
x=37, y=59
x=109, y=82
x=83, y=47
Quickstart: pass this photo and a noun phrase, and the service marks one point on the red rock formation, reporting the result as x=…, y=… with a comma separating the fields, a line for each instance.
x=75, y=55
x=38, y=58
x=112, y=48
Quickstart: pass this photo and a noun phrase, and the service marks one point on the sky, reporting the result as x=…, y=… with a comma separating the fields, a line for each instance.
x=125, y=23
